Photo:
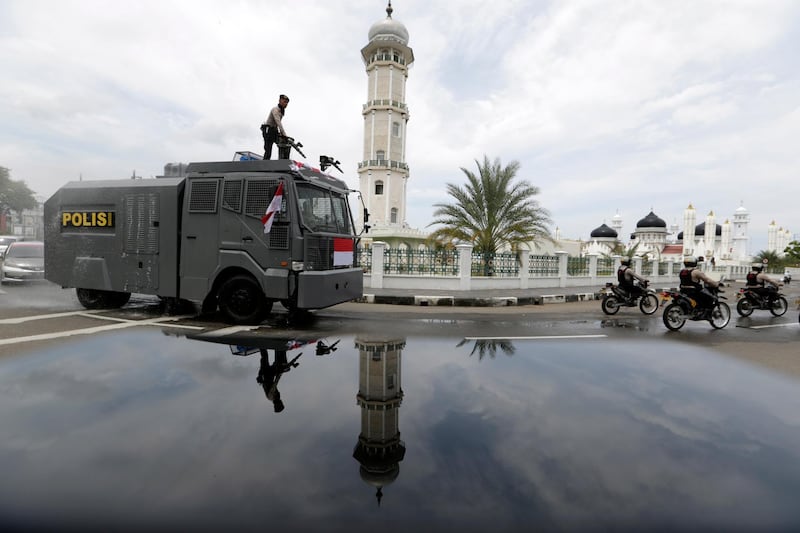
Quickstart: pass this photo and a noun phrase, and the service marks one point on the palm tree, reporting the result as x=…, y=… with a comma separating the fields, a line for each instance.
x=491, y=212
x=771, y=260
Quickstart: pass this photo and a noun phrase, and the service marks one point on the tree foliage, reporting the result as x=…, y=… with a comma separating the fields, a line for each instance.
x=14, y=195
x=773, y=263
x=492, y=210
x=792, y=252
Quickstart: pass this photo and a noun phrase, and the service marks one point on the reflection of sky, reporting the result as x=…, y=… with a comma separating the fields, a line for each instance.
x=146, y=428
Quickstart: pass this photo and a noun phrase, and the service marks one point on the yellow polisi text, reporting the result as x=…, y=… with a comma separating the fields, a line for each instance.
x=87, y=219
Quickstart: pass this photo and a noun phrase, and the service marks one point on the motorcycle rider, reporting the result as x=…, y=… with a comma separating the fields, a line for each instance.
x=757, y=282
x=694, y=283
x=626, y=277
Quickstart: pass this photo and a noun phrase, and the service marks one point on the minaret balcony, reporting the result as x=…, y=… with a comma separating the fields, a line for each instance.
x=387, y=58
x=385, y=104
x=382, y=163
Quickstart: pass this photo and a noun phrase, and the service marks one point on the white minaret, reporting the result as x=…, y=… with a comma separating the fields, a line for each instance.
x=741, y=218
x=772, y=237
x=780, y=241
x=725, y=247
x=379, y=449
x=688, y=230
x=616, y=224
x=383, y=172
x=710, y=235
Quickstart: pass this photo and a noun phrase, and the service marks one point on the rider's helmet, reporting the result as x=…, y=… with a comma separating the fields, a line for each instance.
x=690, y=261
x=625, y=261
x=758, y=267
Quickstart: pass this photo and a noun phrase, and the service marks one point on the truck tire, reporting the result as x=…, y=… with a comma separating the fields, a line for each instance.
x=97, y=299
x=241, y=301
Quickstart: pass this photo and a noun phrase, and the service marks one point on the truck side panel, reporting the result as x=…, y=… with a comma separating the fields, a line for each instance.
x=117, y=235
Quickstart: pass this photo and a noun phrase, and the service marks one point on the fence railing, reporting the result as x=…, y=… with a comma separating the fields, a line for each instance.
x=463, y=268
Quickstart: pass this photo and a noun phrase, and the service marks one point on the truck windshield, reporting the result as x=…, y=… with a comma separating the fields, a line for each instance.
x=323, y=210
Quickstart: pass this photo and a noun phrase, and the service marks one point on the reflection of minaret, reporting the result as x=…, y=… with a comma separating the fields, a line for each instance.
x=379, y=449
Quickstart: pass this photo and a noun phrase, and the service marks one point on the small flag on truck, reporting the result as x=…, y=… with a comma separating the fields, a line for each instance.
x=274, y=207
x=342, y=252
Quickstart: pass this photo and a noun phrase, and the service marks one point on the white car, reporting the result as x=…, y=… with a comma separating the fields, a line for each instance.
x=23, y=261
x=5, y=240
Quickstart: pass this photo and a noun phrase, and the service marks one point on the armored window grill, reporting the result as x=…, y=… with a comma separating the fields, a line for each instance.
x=232, y=195
x=318, y=253
x=259, y=195
x=141, y=223
x=203, y=196
x=279, y=237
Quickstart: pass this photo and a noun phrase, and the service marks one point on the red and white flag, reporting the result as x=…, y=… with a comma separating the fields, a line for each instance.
x=342, y=252
x=274, y=207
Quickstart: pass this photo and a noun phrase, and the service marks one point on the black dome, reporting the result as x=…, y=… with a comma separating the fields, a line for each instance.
x=700, y=230
x=651, y=221
x=603, y=231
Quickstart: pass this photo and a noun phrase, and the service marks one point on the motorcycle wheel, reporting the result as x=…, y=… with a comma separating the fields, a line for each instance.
x=720, y=315
x=610, y=305
x=648, y=304
x=673, y=317
x=779, y=306
x=744, y=307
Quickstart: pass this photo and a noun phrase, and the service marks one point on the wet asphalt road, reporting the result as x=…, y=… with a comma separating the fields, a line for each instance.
x=762, y=339
x=551, y=417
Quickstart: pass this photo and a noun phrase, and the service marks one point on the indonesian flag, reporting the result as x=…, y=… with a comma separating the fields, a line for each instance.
x=342, y=252
x=274, y=207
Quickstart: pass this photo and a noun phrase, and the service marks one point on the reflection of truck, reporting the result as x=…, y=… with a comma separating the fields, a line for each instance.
x=201, y=238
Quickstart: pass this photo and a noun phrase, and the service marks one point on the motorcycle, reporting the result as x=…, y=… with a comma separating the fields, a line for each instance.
x=684, y=307
x=749, y=300
x=614, y=297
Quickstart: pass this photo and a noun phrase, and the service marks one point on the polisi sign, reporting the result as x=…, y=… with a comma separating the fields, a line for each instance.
x=87, y=219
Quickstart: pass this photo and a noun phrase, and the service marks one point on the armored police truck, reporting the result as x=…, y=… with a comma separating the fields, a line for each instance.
x=208, y=238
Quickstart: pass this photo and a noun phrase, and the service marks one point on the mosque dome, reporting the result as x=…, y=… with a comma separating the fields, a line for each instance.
x=651, y=221
x=603, y=232
x=389, y=29
x=700, y=231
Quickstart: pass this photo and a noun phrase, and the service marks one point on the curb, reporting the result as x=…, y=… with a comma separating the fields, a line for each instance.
x=494, y=301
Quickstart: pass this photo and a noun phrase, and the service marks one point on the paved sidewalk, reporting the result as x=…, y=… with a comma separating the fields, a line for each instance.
x=483, y=298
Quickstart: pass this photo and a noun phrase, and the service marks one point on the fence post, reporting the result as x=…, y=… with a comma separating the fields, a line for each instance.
x=637, y=265
x=464, y=266
x=562, y=267
x=524, y=262
x=378, y=249
x=593, y=268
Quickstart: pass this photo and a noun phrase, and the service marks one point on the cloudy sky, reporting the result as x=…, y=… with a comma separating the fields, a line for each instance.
x=609, y=106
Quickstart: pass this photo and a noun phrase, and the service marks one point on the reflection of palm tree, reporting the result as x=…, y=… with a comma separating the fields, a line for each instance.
x=489, y=347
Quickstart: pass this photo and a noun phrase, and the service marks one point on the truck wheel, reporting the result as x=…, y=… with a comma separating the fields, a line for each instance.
x=241, y=301
x=97, y=299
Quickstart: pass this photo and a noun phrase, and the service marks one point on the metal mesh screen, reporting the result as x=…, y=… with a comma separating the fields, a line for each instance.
x=259, y=195
x=279, y=237
x=318, y=253
x=232, y=195
x=203, y=196
x=141, y=234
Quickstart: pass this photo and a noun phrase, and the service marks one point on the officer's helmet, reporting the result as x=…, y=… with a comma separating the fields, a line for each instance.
x=758, y=267
x=625, y=261
x=690, y=261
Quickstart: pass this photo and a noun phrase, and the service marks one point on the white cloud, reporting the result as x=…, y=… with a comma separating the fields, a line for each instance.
x=607, y=105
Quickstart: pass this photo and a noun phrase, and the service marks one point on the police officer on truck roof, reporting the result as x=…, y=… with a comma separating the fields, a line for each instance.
x=273, y=127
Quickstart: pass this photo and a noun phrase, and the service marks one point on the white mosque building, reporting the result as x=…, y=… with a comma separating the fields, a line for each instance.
x=727, y=243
